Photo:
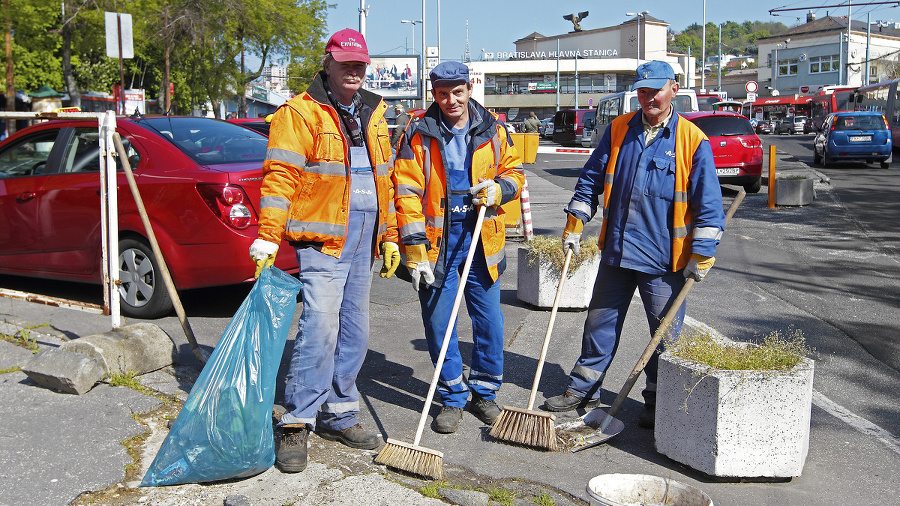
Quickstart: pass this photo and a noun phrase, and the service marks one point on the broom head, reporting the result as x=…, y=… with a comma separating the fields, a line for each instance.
x=412, y=459
x=526, y=427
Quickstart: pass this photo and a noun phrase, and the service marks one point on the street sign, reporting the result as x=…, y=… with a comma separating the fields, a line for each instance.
x=804, y=89
x=751, y=97
x=751, y=86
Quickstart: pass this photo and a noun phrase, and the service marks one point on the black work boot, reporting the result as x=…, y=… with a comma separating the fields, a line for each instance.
x=354, y=437
x=291, y=454
x=647, y=418
x=447, y=421
x=484, y=409
x=569, y=401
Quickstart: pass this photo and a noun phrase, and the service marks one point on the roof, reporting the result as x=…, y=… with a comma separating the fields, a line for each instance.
x=531, y=36
x=782, y=101
x=832, y=24
x=45, y=92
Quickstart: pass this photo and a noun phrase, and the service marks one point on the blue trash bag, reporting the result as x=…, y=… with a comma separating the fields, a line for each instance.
x=224, y=429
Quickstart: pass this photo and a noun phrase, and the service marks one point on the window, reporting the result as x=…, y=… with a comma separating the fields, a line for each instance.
x=787, y=67
x=28, y=156
x=83, y=152
x=722, y=126
x=820, y=64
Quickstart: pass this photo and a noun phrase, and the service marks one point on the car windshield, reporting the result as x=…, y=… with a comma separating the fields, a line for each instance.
x=210, y=142
x=859, y=123
x=721, y=126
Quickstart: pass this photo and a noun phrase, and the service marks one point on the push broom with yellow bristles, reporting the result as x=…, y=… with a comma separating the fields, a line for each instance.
x=413, y=458
x=526, y=426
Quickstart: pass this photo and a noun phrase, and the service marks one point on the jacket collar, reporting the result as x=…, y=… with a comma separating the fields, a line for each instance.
x=481, y=122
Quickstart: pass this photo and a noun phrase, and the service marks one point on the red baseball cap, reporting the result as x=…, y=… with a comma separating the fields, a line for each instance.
x=348, y=45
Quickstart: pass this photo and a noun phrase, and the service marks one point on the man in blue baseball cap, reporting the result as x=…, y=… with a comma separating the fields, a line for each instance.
x=662, y=220
x=470, y=162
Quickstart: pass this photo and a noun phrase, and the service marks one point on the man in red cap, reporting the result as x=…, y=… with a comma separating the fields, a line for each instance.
x=327, y=191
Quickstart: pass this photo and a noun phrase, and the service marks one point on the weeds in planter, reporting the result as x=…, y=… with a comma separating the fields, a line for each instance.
x=545, y=249
x=777, y=352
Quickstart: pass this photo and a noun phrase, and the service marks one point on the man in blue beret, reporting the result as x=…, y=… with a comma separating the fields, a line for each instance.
x=456, y=157
x=662, y=220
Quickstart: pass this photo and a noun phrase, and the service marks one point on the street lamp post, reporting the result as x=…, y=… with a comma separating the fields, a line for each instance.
x=641, y=16
x=412, y=22
x=775, y=62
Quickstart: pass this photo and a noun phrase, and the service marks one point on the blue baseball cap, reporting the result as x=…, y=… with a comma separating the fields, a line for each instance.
x=449, y=73
x=653, y=74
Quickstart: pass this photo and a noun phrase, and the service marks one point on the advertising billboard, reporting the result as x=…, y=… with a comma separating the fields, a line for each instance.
x=394, y=77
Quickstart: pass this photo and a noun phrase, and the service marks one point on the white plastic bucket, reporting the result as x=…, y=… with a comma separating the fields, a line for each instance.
x=643, y=490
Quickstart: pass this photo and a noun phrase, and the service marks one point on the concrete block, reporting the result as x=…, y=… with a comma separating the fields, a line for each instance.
x=794, y=192
x=734, y=423
x=537, y=283
x=142, y=347
x=66, y=371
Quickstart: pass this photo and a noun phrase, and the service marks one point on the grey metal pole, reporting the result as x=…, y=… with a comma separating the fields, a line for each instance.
x=868, y=44
x=720, y=58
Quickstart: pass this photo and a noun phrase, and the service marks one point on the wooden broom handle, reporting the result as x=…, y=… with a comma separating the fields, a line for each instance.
x=540, y=366
x=476, y=237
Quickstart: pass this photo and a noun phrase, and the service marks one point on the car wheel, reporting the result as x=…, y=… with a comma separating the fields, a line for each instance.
x=142, y=289
x=754, y=187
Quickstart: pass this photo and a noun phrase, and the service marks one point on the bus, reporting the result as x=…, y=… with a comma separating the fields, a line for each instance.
x=828, y=100
x=705, y=101
x=881, y=97
x=617, y=104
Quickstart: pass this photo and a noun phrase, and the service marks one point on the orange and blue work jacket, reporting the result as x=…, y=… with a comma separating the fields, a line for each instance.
x=306, y=174
x=661, y=202
x=422, y=188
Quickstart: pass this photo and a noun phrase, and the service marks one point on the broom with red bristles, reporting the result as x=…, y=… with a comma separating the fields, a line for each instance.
x=526, y=426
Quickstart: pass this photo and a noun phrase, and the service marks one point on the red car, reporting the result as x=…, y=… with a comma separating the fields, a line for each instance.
x=736, y=147
x=199, y=179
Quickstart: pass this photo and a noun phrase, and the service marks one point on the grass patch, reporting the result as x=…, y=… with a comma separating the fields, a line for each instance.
x=501, y=495
x=543, y=499
x=11, y=369
x=127, y=380
x=22, y=338
x=433, y=489
x=548, y=250
x=777, y=352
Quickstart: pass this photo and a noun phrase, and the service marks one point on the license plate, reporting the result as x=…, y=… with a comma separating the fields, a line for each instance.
x=728, y=171
x=860, y=138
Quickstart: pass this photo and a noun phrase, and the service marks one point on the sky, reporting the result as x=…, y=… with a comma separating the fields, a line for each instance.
x=496, y=28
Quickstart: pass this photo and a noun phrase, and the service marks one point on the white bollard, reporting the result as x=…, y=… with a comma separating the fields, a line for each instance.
x=526, y=212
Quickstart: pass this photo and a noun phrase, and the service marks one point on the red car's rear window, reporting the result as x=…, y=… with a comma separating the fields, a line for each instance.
x=723, y=126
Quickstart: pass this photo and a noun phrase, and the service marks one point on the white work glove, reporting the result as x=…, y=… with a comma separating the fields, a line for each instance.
x=487, y=193
x=262, y=252
x=571, y=237
x=698, y=266
x=418, y=265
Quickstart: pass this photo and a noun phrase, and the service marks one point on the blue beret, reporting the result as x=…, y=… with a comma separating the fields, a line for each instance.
x=449, y=73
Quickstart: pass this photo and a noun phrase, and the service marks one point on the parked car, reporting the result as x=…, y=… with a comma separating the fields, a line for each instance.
x=737, y=149
x=782, y=126
x=261, y=125
x=568, y=126
x=858, y=135
x=547, y=131
x=589, y=123
x=200, y=182
x=764, y=127
x=798, y=125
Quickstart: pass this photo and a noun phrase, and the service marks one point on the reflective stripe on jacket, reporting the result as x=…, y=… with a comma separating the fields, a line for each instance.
x=422, y=189
x=306, y=175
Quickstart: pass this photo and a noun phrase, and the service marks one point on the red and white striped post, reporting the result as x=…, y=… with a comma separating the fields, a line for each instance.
x=526, y=212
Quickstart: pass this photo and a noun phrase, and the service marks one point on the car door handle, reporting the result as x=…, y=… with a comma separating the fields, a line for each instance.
x=25, y=196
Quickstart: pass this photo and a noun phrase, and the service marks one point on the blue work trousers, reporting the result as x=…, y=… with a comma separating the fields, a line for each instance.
x=612, y=295
x=482, y=296
x=333, y=330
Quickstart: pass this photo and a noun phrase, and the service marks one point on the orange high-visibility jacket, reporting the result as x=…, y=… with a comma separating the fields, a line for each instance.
x=422, y=188
x=306, y=175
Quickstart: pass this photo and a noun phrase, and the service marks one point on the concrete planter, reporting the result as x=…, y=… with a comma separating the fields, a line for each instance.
x=537, y=283
x=794, y=192
x=734, y=423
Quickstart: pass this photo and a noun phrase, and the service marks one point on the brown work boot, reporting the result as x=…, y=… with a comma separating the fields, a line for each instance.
x=291, y=454
x=354, y=437
x=569, y=401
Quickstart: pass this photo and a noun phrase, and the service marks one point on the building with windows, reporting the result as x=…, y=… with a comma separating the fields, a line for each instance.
x=544, y=73
x=823, y=52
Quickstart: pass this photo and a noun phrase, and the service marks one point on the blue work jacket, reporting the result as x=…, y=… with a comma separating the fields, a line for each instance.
x=639, y=232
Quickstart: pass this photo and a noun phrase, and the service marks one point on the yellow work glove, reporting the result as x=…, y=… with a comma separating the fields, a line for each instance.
x=487, y=193
x=418, y=265
x=390, y=256
x=698, y=266
x=262, y=253
x=571, y=237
